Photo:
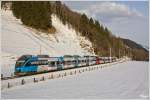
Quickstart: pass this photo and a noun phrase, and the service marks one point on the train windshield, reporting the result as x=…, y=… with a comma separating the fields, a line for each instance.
x=25, y=57
x=22, y=60
x=19, y=63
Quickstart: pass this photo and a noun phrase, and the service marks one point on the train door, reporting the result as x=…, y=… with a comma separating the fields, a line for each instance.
x=76, y=60
x=60, y=64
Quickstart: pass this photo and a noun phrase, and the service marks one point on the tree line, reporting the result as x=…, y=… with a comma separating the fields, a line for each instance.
x=36, y=14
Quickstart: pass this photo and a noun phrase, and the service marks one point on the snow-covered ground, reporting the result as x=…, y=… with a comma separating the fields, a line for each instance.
x=18, y=40
x=121, y=81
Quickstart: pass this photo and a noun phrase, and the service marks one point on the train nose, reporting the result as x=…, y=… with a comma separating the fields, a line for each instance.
x=17, y=69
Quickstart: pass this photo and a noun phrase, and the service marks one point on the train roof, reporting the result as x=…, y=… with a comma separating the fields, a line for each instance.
x=24, y=57
x=66, y=56
x=43, y=56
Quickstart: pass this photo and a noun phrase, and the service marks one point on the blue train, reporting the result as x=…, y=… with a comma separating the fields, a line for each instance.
x=31, y=64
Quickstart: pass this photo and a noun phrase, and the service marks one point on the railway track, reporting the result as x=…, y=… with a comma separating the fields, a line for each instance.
x=15, y=76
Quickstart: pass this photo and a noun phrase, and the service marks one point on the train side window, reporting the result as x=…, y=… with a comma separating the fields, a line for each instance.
x=67, y=62
x=70, y=62
x=79, y=61
x=52, y=64
x=74, y=61
x=64, y=62
x=58, y=62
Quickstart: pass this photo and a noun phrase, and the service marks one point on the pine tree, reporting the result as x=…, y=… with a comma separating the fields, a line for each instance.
x=91, y=22
x=84, y=24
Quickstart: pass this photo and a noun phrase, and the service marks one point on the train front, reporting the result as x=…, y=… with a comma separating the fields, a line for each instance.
x=20, y=64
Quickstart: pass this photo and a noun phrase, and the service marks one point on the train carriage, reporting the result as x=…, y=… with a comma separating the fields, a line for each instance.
x=92, y=60
x=33, y=64
x=69, y=61
x=82, y=61
x=101, y=60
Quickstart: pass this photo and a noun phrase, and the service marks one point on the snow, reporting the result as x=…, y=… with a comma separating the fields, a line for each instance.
x=128, y=80
x=18, y=40
x=30, y=79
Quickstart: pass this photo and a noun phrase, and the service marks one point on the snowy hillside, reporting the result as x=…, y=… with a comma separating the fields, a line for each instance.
x=18, y=39
x=128, y=80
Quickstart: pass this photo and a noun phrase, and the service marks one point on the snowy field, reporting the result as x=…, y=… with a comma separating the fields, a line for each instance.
x=128, y=80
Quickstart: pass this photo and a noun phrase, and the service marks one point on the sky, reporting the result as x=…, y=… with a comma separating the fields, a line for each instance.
x=127, y=19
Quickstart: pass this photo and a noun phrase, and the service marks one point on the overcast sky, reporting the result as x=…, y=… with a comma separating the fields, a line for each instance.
x=128, y=19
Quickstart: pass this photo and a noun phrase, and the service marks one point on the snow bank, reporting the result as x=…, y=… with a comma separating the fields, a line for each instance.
x=128, y=80
x=8, y=63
